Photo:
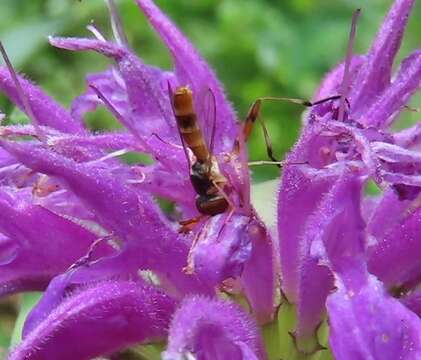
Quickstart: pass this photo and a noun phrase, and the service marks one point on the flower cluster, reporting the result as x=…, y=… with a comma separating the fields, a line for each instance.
x=85, y=227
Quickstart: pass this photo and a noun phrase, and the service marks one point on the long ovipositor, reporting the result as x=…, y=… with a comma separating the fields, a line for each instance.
x=188, y=125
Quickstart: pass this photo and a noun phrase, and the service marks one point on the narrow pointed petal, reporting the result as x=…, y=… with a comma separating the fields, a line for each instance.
x=145, y=87
x=97, y=321
x=40, y=245
x=389, y=207
x=375, y=75
x=259, y=275
x=213, y=329
x=413, y=301
x=407, y=82
x=130, y=215
x=367, y=324
x=332, y=82
x=110, y=84
x=105, y=141
x=335, y=232
x=47, y=111
x=396, y=154
x=159, y=181
x=299, y=197
x=123, y=265
x=398, y=245
x=229, y=244
x=409, y=137
x=192, y=70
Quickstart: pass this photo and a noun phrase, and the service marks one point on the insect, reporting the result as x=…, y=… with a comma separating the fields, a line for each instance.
x=211, y=186
x=205, y=176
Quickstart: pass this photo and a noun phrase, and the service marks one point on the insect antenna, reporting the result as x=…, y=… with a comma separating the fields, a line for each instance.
x=346, y=78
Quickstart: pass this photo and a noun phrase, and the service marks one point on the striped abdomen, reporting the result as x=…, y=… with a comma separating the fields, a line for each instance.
x=188, y=125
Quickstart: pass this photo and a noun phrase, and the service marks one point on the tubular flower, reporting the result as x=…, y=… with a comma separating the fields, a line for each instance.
x=84, y=227
x=91, y=234
x=357, y=254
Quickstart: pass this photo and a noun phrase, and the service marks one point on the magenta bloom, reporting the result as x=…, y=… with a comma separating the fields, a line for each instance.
x=339, y=245
x=112, y=261
x=84, y=227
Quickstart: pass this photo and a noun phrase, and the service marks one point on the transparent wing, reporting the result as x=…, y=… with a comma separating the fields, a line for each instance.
x=207, y=116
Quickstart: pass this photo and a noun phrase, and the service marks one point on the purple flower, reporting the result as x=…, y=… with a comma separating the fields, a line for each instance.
x=84, y=226
x=335, y=240
x=125, y=264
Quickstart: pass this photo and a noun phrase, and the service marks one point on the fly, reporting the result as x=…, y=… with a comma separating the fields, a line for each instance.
x=205, y=176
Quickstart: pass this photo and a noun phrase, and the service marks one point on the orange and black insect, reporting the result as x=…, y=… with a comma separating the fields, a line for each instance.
x=205, y=177
x=207, y=180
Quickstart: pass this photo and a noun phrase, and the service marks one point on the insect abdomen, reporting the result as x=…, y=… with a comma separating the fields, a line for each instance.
x=187, y=123
x=211, y=205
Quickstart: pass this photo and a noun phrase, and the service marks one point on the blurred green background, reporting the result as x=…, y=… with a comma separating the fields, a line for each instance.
x=257, y=47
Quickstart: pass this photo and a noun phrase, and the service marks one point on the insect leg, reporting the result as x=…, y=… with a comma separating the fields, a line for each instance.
x=189, y=268
x=254, y=114
x=187, y=225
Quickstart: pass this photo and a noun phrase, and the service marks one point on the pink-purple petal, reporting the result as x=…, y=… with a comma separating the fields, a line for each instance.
x=368, y=324
x=413, y=301
x=146, y=89
x=108, y=83
x=259, y=276
x=99, y=320
x=47, y=111
x=39, y=244
x=332, y=82
x=128, y=214
x=407, y=82
x=334, y=236
x=213, y=329
x=408, y=137
x=396, y=243
x=229, y=245
x=299, y=196
x=192, y=70
x=375, y=74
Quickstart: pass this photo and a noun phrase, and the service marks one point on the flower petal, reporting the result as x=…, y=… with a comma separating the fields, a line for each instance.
x=259, y=276
x=192, y=70
x=409, y=137
x=299, y=196
x=332, y=82
x=413, y=301
x=368, y=324
x=161, y=182
x=130, y=215
x=397, y=242
x=98, y=321
x=333, y=236
x=229, y=244
x=108, y=83
x=388, y=207
x=46, y=110
x=146, y=88
x=40, y=245
x=375, y=75
x=407, y=82
x=213, y=329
